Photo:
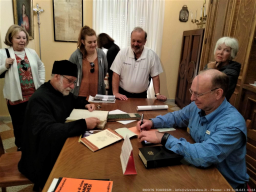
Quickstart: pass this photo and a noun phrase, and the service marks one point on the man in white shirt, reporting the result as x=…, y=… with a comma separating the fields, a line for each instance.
x=132, y=68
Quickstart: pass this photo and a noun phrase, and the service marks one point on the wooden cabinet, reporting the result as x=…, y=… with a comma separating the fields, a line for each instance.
x=189, y=64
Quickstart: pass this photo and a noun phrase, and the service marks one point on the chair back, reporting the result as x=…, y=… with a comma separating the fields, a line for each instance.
x=1, y=147
x=251, y=154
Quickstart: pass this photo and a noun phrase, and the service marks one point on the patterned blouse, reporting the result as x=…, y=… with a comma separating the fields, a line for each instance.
x=26, y=79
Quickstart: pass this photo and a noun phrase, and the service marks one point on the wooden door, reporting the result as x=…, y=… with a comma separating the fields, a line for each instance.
x=189, y=64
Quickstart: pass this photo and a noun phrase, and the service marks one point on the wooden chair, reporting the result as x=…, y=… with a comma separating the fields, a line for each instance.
x=9, y=173
x=251, y=154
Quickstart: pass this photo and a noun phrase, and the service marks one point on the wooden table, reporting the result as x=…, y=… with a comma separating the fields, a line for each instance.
x=77, y=161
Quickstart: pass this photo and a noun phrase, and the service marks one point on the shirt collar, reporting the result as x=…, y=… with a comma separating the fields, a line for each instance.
x=56, y=92
x=143, y=55
x=213, y=114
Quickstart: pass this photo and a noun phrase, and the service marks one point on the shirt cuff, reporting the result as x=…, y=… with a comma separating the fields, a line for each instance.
x=157, y=122
x=152, y=124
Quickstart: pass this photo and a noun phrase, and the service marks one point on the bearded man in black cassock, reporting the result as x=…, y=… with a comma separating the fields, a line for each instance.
x=45, y=130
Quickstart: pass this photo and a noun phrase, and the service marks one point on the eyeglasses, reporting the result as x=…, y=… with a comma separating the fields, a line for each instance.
x=201, y=94
x=92, y=69
x=69, y=80
x=24, y=67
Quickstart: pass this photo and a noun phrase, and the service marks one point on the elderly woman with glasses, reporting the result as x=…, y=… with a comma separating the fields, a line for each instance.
x=225, y=51
x=23, y=71
x=92, y=65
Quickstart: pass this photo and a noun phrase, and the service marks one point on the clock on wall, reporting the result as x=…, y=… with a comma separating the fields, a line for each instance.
x=184, y=14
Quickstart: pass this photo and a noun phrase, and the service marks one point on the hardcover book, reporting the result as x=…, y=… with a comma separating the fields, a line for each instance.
x=120, y=117
x=158, y=156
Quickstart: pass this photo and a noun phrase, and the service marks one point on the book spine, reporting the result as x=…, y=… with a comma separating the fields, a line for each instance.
x=89, y=144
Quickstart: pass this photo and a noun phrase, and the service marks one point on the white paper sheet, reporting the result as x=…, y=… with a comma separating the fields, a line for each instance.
x=126, y=122
x=125, y=153
x=166, y=129
x=117, y=111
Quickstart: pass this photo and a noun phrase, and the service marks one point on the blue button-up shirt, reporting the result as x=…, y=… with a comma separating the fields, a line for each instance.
x=220, y=139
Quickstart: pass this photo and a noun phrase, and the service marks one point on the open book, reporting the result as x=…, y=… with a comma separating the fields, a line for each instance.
x=101, y=139
x=83, y=114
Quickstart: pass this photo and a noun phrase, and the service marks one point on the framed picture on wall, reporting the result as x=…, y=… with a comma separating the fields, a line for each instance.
x=23, y=15
x=67, y=19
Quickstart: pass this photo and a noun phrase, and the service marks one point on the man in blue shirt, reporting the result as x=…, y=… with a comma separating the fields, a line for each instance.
x=218, y=129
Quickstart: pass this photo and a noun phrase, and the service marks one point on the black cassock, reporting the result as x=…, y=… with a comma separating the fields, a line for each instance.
x=45, y=131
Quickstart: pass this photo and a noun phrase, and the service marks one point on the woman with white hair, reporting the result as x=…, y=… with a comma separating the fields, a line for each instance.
x=225, y=51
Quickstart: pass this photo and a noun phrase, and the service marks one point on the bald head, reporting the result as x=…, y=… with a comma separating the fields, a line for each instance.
x=215, y=79
x=140, y=30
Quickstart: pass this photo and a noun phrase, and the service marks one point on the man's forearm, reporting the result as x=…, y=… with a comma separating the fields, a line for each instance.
x=156, y=84
x=115, y=83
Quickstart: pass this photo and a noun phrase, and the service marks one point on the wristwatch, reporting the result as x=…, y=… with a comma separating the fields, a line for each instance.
x=164, y=138
x=157, y=94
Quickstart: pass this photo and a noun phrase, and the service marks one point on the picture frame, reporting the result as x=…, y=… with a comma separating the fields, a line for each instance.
x=23, y=15
x=67, y=19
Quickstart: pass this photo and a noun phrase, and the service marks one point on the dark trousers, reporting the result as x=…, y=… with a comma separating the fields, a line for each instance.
x=17, y=113
x=133, y=95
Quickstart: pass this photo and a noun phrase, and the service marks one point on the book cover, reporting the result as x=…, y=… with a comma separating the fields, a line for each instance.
x=158, y=156
x=124, y=131
x=101, y=139
x=81, y=185
x=120, y=117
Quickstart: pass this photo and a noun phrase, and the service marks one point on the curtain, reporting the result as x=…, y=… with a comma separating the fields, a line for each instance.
x=118, y=18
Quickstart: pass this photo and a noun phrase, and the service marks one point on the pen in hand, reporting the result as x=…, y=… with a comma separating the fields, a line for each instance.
x=141, y=121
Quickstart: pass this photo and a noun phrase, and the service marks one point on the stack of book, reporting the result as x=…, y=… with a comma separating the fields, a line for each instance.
x=102, y=99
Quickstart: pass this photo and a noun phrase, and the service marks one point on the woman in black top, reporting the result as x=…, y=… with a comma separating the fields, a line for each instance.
x=105, y=41
x=225, y=51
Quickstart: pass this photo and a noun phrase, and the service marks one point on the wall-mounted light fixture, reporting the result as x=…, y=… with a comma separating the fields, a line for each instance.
x=202, y=20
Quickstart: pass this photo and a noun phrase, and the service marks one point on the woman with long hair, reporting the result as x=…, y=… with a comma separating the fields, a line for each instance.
x=92, y=65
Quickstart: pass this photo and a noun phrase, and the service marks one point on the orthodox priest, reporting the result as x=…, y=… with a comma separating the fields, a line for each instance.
x=45, y=130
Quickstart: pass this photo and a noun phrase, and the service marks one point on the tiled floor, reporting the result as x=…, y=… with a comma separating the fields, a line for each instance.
x=6, y=132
